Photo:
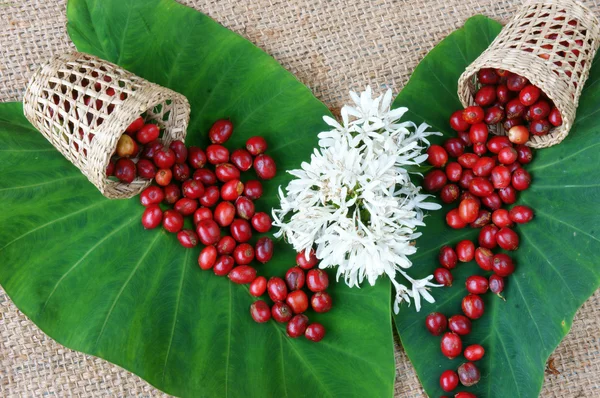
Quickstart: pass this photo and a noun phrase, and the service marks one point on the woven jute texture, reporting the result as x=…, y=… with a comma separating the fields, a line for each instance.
x=83, y=104
x=332, y=46
x=550, y=42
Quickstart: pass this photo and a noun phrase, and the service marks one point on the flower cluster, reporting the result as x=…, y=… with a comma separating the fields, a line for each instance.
x=355, y=203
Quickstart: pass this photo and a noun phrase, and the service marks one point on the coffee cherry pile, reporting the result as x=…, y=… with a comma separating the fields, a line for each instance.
x=510, y=99
x=482, y=182
x=204, y=185
x=290, y=301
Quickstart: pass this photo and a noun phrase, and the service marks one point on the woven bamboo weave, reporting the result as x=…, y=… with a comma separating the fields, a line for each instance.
x=83, y=105
x=550, y=42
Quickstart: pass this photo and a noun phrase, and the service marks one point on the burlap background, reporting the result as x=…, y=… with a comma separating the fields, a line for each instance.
x=332, y=46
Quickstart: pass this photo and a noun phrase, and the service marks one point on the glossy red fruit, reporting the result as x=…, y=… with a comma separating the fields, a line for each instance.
x=518, y=134
x=258, y=286
x=243, y=254
x=223, y=265
x=436, y=323
x=479, y=148
x=196, y=157
x=503, y=94
x=192, y=189
x=481, y=187
x=164, y=158
x=242, y=159
x=487, y=76
x=256, y=145
x=295, y=278
x=460, y=324
x=317, y=280
x=434, y=180
x=315, y=332
x=205, y=176
x=187, y=238
x=485, y=96
x=277, y=289
x=253, y=189
x=457, y=122
x=487, y=236
x=468, y=209
x=539, y=127
x=484, y=258
x=148, y=133
x=501, y=177
x=226, y=245
x=507, y=155
x=224, y=214
x=244, y=208
x=484, y=166
x=468, y=374
x=125, y=170
x=454, y=221
x=484, y=217
x=555, y=118
x=110, y=169
x=508, y=195
x=261, y=222
x=474, y=352
x=242, y=274
x=465, y=251
x=503, y=265
x=240, y=230
x=227, y=172
x=540, y=110
x=172, y=193
x=232, y=190
x=468, y=160
x=464, y=394
x=152, y=195
x=207, y=258
x=127, y=147
x=321, y=302
x=217, y=154
x=447, y=257
x=263, y=250
x=265, y=167
x=516, y=82
x=181, y=152
x=501, y=218
x=443, y=276
x=260, y=311
x=150, y=149
x=466, y=178
x=172, y=221
x=453, y=171
x=186, y=206
x=135, y=125
x=524, y=154
x=496, y=284
x=298, y=301
x=473, y=114
x=220, y=131
x=515, y=109
x=202, y=213
x=152, y=216
x=451, y=345
x=208, y=232
x=464, y=137
x=163, y=177
x=476, y=284
x=521, y=214
x=478, y=133
x=493, y=115
x=437, y=156
x=507, y=239
x=297, y=326
x=510, y=123
x=449, y=380
x=472, y=306
x=529, y=95
x=454, y=147
x=449, y=193
x=498, y=142
x=181, y=171
x=521, y=180
x=281, y=312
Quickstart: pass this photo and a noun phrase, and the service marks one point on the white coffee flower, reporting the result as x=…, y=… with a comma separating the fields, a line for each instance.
x=354, y=201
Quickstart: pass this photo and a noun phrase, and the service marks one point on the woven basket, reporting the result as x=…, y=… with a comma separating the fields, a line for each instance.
x=550, y=42
x=67, y=101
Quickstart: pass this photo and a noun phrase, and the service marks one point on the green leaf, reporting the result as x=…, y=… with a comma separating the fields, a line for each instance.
x=557, y=268
x=87, y=273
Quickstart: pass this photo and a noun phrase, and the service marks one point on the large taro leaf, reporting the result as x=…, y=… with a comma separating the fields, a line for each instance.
x=87, y=273
x=557, y=261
